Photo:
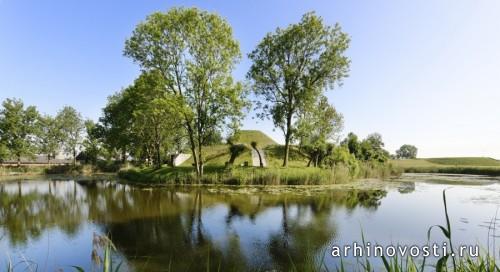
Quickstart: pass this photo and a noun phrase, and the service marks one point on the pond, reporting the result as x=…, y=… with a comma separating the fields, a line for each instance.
x=52, y=224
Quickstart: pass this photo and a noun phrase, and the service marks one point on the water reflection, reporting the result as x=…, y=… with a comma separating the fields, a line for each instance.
x=185, y=229
x=27, y=211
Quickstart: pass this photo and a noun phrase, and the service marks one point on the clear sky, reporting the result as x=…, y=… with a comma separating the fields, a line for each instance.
x=423, y=72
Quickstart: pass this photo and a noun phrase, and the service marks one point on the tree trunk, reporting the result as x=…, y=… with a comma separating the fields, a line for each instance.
x=200, y=159
x=158, y=156
x=193, y=149
x=74, y=156
x=288, y=136
x=200, y=142
x=157, y=147
x=260, y=158
x=124, y=155
x=287, y=148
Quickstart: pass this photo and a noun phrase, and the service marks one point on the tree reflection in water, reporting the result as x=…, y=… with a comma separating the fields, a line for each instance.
x=186, y=229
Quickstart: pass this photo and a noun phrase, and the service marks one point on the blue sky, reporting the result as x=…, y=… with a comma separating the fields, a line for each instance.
x=423, y=72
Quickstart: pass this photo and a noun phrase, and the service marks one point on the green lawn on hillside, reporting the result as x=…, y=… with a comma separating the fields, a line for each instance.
x=216, y=171
x=248, y=136
x=450, y=165
x=218, y=155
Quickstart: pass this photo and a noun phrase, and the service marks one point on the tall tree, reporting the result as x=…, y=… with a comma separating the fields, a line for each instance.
x=143, y=120
x=407, y=152
x=317, y=128
x=72, y=126
x=19, y=127
x=50, y=137
x=372, y=149
x=93, y=141
x=194, y=52
x=117, y=122
x=155, y=116
x=353, y=144
x=292, y=66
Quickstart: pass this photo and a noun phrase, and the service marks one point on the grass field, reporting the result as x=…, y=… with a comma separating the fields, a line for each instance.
x=451, y=165
x=465, y=161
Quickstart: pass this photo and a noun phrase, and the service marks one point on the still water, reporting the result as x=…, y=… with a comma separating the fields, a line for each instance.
x=47, y=225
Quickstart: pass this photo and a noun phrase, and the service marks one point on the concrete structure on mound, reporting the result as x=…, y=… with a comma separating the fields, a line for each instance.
x=181, y=158
x=255, y=158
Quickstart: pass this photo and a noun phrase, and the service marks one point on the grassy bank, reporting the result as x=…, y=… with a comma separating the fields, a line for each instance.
x=22, y=170
x=69, y=170
x=255, y=175
x=459, y=165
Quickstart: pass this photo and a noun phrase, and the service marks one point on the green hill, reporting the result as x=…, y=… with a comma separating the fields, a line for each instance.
x=218, y=155
x=247, y=136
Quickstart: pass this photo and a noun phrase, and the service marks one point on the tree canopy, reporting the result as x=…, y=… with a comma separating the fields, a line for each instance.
x=317, y=129
x=194, y=52
x=291, y=68
x=51, y=136
x=407, y=152
x=19, y=127
x=72, y=126
x=370, y=149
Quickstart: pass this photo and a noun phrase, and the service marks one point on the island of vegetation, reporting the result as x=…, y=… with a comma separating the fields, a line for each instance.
x=179, y=122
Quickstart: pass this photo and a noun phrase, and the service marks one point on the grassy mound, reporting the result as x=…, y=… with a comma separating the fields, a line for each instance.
x=217, y=172
x=248, y=136
x=218, y=155
x=465, y=161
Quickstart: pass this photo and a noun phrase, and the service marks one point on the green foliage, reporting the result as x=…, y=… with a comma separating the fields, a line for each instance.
x=116, y=120
x=213, y=137
x=50, y=137
x=19, y=127
x=254, y=144
x=154, y=118
x=317, y=128
x=93, y=142
x=371, y=149
x=353, y=144
x=291, y=68
x=235, y=176
x=236, y=150
x=342, y=156
x=143, y=120
x=194, y=53
x=72, y=127
x=4, y=152
x=406, y=152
